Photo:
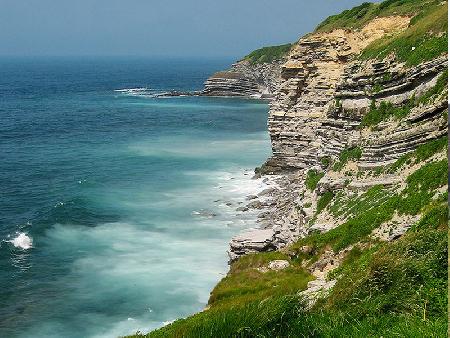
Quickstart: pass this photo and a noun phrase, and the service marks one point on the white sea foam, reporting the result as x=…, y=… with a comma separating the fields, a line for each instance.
x=131, y=90
x=22, y=241
x=139, y=91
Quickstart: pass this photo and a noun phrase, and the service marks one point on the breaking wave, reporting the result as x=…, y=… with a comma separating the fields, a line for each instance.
x=22, y=241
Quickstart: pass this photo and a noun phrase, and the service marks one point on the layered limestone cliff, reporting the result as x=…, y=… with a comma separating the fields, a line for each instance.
x=246, y=79
x=321, y=111
x=303, y=122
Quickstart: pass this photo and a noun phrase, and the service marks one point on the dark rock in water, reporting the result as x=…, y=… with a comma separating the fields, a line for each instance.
x=264, y=215
x=251, y=197
x=255, y=205
x=242, y=209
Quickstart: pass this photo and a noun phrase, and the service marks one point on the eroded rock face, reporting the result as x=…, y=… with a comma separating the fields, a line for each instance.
x=245, y=79
x=317, y=111
x=325, y=92
x=396, y=84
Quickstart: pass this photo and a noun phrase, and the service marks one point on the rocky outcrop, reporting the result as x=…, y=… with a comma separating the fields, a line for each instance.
x=245, y=79
x=254, y=240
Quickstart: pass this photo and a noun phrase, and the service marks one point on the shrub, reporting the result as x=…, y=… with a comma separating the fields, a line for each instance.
x=268, y=54
x=324, y=200
x=353, y=153
x=385, y=111
x=312, y=178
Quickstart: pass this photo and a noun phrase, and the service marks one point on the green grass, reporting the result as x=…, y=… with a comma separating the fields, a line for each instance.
x=246, y=285
x=378, y=205
x=325, y=161
x=394, y=289
x=312, y=178
x=346, y=155
x=407, y=276
x=323, y=201
x=360, y=15
x=422, y=153
x=268, y=54
x=424, y=39
x=441, y=85
x=384, y=111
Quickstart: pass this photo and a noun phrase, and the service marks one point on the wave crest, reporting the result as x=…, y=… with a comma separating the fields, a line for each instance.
x=22, y=241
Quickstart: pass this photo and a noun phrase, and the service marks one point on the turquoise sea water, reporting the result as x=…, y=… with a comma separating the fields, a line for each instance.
x=113, y=203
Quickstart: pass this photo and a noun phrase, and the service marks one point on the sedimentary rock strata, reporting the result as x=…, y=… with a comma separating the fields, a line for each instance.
x=323, y=93
x=245, y=79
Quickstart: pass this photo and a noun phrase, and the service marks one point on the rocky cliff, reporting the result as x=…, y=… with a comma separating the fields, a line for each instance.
x=257, y=75
x=320, y=112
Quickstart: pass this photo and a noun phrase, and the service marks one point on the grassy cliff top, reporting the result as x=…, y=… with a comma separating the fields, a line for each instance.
x=358, y=16
x=268, y=54
x=426, y=37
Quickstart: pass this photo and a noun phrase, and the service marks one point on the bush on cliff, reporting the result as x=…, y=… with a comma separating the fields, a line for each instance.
x=346, y=155
x=312, y=178
x=268, y=54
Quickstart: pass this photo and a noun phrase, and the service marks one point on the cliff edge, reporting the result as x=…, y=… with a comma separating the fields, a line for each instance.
x=257, y=75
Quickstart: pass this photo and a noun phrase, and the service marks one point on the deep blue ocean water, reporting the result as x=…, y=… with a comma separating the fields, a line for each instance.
x=113, y=202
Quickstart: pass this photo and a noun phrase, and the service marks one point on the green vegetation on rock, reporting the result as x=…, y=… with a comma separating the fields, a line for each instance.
x=366, y=212
x=424, y=39
x=245, y=283
x=312, y=178
x=441, y=85
x=384, y=111
x=422, y=153
x=346, y=155
x=268, y=54
x=324, y=200
x=360, y=15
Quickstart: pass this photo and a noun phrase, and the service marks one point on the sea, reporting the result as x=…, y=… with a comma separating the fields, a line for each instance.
x=117, y=202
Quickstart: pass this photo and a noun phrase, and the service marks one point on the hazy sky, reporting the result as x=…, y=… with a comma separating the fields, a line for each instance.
x=156, y=27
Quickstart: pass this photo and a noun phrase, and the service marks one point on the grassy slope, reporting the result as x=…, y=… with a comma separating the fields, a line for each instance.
x=268, y=54
x=424, y=39
x=360, y=15
x=389, y=289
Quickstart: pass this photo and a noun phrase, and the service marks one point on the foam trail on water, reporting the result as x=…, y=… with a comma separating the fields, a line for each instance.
x=22, y=241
